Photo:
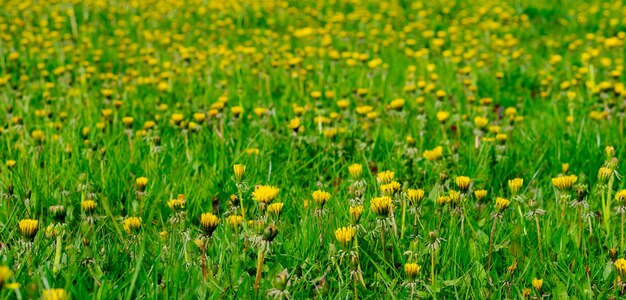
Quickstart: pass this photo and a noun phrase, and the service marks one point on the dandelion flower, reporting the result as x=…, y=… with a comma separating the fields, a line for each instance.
x=265, y=193
x=345, y=234
x=463, y=182
x=54, y=294
x=537, y=284
x=480, y=194
x=412, y=269
x=515, y=184
x=385, y=177
x=415, y=196
x=355, y=213
x=355, y=170
x=132, y=225
x=564, y=183
x=502, y=204
x=208, y=223
x=28, y=228
x=320, y=197
x=239, y=170
x=381, y=205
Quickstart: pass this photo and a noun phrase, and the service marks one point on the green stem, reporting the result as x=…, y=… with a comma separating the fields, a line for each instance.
x=539, y=237
x=432, y=266
x=403, y=218
x=259, y=269
x=493, y=231
x=57, y=255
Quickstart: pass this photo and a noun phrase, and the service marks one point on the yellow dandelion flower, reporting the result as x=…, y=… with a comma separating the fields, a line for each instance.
x=463, y=183
x=480, y=194
x=411, y=270
x=385, y=177
x=355, y=170
x=275, y=208
x=345, y=234
x=28, y=228
x=132, y=225
x=381, y=205
x=239, y=170
x=265, y=193
x=54, y=294
x=208, y=223
x=415, y=196
x=515, y=184
x=537, y=284
x=434, y=154
x=564, y=183
x=502, y=204
x=320, y=197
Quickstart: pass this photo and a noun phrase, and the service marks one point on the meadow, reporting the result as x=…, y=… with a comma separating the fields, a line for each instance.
x=331, y=149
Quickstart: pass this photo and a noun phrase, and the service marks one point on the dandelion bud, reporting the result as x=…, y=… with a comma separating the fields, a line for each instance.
x=28, y=228
x=581, y=191
x=463, y=183
x=280, y=282
x=604, y=174
x=58, y=213
x=234, y=220
x=612, y=163
x=564, y=168
x=526, y=293
x=88, y=206
x=432, y=236
x=381, y=205
x=515, y=184
x=609, y=151
x=621, y=197
x=240, y=170
x=355, y=213
x=141, y=182
x=415, y=196
x=613, y=254
x=443, y=177
x=320, y=198
x=538, y=284
x=345, y=234
x=275, y=208
x=208, y=223
x=270, y=233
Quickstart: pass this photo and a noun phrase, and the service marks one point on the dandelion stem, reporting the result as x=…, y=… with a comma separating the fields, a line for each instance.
x=493, y=231
x=57, y=255
x=259, y=269
x=432, y=265
x=204, y=266
x=382, y=238
x=539, y=237
x=607, y=216
x=403, y=218
x=356, y=291
x=622, y=233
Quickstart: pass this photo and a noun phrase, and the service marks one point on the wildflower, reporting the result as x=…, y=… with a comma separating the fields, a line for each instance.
x=385, y=177
x=390, y=188
x=564, y=183
x=252, y=151
x=141, y=182
x=208, y=223
x=355, y=213
x=5, y=275
x=515, y=184
x=128, y=121
x=538, y=284
x=177, y=204
x=240, y=170
x=355, y=170
x=10, y=163
x=345, y=234
x=236, y=111
x=434, y=154
x=411, y=270
x=502, y=204
x=88, y=206
x=234, y=220
x=609, y=151
x=463, y=183
x=415, y=196
x=275, y=208
x=381, y=205
x=564, y=168
x=320, y=197
x=481, y=122
x=132, y=225
x=38, y=136
x=442, y=200
x=604, y=174
x=442, y=116
x=396, y=104
x=265, y=193
x=294, y=124
x=480, y=194
x=28, y=228
x=621, y=196
x=620, y=267
x=54, y=294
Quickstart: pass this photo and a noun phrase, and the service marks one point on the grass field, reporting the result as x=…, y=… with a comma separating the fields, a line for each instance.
x=247, y=149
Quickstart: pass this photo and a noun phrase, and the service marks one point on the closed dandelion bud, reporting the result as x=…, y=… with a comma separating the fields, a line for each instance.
x=270, y=233
x=609, y=151
x=620, y=197
x=381, y=205
x=443, y=177
x=132, y=225
x=257, y=225
x=613, y=254
x=88, y=206
x=28, y=228
x=320, y=198
x=581, y=191
x=240, y=170
x=54, y=294
x=265, y=193
x=480, y=194
x=432, y=236
x=538, y=285
x=355, y=213
x=385, y=177
x=415, y=196
x=604, y=174
x=280, y=282
x=141, y=183
x=156, y=140
x=612, y=163
x=208, y=223
x=355, y=170
x=463, y=183
x=345, y=234
x=502, y=204
x=354, y=262
x=515, y=184
x=411, y=270
x=564, y=168
x=526, y=293
x=275, y=208
x=58, y=213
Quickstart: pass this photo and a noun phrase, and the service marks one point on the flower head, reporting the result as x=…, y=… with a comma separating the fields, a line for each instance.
x=415, y=196
x=434, y=154
x=240, y=170
x=88, y=206
x=345, y=234
x=412, y=269
x=355, y=170
x=480, y=194
x=620, y=267
x=537, y=284
x=177, y=204
x=502, y=204
x=28, y=228
x=463, y=182
x=265, y=193
x=564, y=183
x=621, y=197
x=381, y=205
x=208, y=223
x=604, y=174
x=385, y=177
x=355, y=213
x=141, y=182
x=234, y=220
x=132, y=225
x=320, y=197
x=54, y=294
x=275, y=208
x=390, y=188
